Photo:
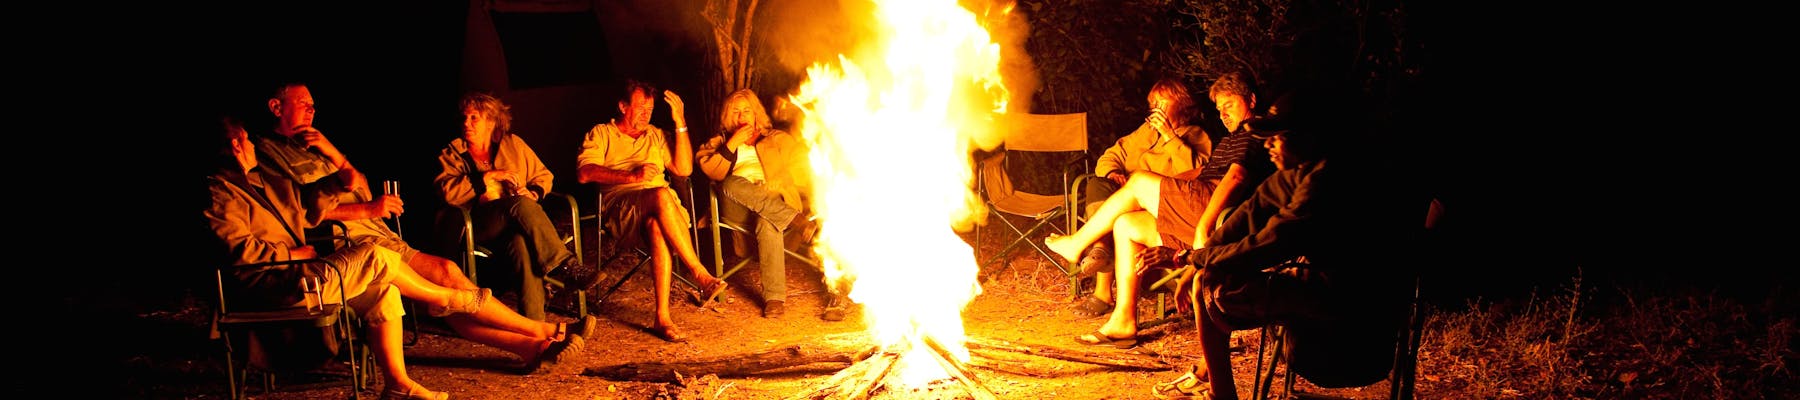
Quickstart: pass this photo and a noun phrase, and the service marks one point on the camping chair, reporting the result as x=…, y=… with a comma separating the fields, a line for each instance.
x=1040, y=144
x=233, y=323
x=464, y=242
x=684, y=189
x=1407, y=334
x=714, y=224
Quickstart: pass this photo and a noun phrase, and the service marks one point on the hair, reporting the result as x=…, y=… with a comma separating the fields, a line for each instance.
x=1236, y=83
x=225, y=128
x=1177, y=91
x=756, y=107
x=281, y=89
x=491, y=107
x=633, y=86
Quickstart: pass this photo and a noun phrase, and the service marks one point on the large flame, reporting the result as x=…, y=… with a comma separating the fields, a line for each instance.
x=892, y=138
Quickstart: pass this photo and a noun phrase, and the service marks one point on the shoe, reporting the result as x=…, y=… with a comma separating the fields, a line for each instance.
x=554, y=354
x=774, y=309
x=1098, y=257
x=592, y=280
x=584, y=327
x=669, y=333
x=711, y=293
x=463, y=301
x=1101, y=340
x=1187, y=386
x=1091, y=306
x=835, y=309
x=397, y=394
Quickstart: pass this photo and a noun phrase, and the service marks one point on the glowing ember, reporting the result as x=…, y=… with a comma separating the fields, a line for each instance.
x=892, y=139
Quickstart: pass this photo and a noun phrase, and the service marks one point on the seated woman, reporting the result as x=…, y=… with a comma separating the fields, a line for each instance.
x=499, y=179
x=260, y=217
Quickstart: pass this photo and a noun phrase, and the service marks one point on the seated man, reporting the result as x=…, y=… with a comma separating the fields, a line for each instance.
x=626, y=157
x=1314, y=244
x=260, y=217
x=302, y=154
x=763, y=175
x=1166, y=144
x=1151, y=210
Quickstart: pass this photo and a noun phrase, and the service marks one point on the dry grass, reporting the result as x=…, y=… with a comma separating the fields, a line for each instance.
x=1582, y=342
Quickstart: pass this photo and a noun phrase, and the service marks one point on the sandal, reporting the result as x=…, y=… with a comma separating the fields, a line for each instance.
x=669, y=333
x=583, y=328
x=553, y=354
x=709, y=293
x=1091, y=306
x=1100, y=339
x=1187, y=386
x=1097, y=258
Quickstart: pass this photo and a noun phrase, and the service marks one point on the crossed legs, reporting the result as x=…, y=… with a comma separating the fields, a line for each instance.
x=507, y=330
x=1141, y=193
x=672, y=241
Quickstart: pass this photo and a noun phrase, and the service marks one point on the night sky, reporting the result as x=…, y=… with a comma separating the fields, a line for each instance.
x=1540, y=183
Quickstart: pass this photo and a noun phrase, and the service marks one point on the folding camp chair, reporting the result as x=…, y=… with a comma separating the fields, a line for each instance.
x=464, y=242
x=683, y=188
x=298, y=330
x=1407, y=333
x=1016, y=182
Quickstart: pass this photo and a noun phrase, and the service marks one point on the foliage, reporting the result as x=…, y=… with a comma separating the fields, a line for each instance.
x=1095, y=57
x=1666, y=345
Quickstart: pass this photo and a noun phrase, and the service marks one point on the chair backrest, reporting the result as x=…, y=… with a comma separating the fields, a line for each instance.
x=1045, y=132
x=1033, y=174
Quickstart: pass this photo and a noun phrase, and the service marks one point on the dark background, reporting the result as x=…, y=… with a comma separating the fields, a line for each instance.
x=1552, y=160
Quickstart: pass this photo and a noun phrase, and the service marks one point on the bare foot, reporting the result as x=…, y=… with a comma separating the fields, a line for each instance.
x=1063, y=246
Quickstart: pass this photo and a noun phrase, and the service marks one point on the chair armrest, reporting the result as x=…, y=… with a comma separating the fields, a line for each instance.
x=220, y=271
x=1074, y=199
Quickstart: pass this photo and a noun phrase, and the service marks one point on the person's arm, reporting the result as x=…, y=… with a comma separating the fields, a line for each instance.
x=1221, y=195
x=537, y=178
x=715, y=158
x=229, y=217
x=1112, y=164
x=452, y=180
x=592, y=159
x=1287, y=231
x=681, y=162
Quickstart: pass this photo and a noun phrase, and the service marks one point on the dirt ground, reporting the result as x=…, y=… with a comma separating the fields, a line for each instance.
x=1027, y=303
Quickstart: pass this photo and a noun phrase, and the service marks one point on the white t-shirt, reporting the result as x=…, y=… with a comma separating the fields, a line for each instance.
x=748, y=165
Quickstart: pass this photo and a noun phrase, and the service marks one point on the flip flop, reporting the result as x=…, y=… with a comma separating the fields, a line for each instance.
x=711, y=292
x=1100, y=339
x=1091, y=306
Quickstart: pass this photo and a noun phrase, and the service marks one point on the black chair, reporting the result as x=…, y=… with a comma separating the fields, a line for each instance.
x=321, y=333
x=1406, y=334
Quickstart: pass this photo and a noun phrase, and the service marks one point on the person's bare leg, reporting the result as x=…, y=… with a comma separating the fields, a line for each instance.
x=1215, y=352
x=1140, y=193
x=387, y=344
x=1132, y=233
x=504, y=333
x=659, y=259
x=671, y=214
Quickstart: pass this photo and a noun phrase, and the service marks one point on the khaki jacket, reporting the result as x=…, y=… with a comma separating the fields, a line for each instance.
x=784, y=161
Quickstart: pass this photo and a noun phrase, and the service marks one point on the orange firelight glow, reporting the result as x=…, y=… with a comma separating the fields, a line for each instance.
x=891, y=140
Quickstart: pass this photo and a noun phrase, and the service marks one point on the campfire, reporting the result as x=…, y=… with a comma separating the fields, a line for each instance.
x=891, y=140
x=892, y=135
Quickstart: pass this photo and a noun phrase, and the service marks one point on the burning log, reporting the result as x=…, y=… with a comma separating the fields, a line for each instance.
x=958, y=370
x=855, y=382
